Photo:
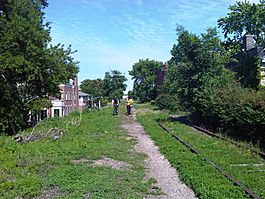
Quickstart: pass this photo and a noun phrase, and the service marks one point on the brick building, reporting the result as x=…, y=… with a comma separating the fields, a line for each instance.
x=68, y=101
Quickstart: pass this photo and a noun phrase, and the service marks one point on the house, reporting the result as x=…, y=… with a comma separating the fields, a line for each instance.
x=68, y=101
x=84, y=101
x=71, y=99
x=249, y=64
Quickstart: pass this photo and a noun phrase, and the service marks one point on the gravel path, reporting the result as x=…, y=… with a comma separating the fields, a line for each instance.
x=156, y=165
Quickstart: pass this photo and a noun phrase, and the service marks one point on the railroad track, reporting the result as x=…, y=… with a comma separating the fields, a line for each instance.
x=248, y=191
x=185, y=121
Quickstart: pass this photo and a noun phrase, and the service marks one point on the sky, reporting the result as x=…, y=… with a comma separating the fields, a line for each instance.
x=115, y=34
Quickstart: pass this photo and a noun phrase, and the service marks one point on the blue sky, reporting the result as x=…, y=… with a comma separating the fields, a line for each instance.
x=115, y=34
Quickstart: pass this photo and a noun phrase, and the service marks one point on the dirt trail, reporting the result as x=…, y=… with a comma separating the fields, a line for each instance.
x=156, y=165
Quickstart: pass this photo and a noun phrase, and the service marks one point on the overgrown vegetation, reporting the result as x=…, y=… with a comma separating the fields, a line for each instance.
x=65, y=167
x=238, y=111
x=201, y=176
x=198, y=82
x=166, y=101
x=30, y=67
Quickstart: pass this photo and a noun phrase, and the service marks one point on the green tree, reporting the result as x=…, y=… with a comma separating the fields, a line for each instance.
x=114, y=84
x=29, y=65
x=195, y=61
x=243, y=17
x=144, y=74
x=92, y=86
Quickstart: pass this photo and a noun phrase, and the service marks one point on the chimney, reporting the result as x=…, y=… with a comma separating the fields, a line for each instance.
x=75, y=93
x=248, y=41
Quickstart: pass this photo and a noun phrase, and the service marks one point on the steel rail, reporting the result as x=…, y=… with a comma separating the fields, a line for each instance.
x=185, y=121
x=248, y=191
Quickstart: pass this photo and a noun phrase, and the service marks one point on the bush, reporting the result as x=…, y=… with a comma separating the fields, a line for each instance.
x=236, y=110
x=104, y=102
x=166, y=101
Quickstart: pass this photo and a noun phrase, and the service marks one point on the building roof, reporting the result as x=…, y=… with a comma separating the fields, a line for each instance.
x=82, y=94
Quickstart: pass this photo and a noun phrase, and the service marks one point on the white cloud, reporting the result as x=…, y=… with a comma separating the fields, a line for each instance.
x=140, y=29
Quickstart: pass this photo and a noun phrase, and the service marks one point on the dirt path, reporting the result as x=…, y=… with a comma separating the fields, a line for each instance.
x=156, y=165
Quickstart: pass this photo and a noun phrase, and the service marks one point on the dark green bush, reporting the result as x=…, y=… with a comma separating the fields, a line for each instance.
x=166, y=101
x=236, y=110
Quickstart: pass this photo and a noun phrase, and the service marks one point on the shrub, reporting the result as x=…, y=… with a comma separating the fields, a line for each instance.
x=236, y=110
x=166, y=101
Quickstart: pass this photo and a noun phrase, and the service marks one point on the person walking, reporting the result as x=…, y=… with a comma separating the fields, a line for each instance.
x=129, y=104
x=115, y=103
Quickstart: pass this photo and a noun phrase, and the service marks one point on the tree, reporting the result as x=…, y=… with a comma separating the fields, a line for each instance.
x=195, y=61
x=144, y=74
x=244, y=17
x=114, y=84
x=29, y=65
x=93, y=87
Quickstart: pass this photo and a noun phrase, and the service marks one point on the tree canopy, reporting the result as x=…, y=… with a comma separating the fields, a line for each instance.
x=92, y=86
x=244, y=17
x=195, y=61
x=144, y=74
x=114, y=84
x=29, y=65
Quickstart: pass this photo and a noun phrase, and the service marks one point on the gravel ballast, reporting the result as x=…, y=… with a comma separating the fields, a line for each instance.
x=157, y=166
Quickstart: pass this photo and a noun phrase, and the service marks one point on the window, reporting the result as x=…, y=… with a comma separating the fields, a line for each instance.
x=56, y=112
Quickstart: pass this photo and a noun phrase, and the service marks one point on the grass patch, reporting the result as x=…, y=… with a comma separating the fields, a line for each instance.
x=66, y=164
x=205, y=180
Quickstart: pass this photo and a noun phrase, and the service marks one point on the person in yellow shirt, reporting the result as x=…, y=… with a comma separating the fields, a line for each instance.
x=129, y=104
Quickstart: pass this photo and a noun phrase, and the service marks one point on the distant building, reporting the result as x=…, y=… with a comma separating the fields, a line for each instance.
x=71, y=99
x=84, y=101
x=68, y=101
x=245, y=67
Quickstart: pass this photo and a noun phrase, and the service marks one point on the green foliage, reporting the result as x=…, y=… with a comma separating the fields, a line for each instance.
x=114, y=84
x=244, y=17
x=195, y=61
x=238, y=111
x=29, y=67
x=248, y=71
x=212, y=83
x=165, y=101
x=40, y=104
x=209, y=91
x=130, y=93
x=144, y=74
x=93, y=87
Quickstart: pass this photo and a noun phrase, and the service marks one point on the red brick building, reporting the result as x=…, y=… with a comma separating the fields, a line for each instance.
x=68, y=101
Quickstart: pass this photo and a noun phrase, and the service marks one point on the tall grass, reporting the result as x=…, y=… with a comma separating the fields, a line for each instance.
x=33, y=168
